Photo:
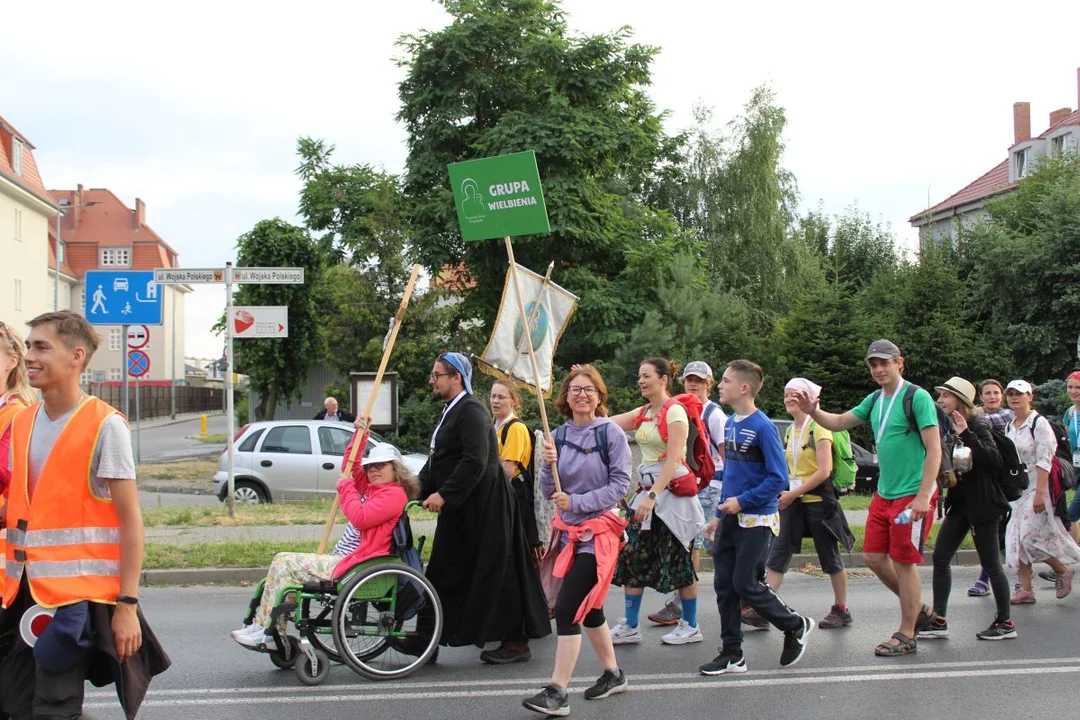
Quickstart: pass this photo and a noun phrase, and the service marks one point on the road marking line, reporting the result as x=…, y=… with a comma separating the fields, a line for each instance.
x=526, y=686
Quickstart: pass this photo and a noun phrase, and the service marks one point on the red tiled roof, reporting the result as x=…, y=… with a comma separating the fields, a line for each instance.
x=453, y=278
x=992, y=183
x=65, y=269
x=30, y=179
x=1072, y=119
x=109, y=223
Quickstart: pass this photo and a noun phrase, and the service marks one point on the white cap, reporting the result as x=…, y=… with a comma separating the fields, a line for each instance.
x=383, y=452
x=1021, y=386
x=697, y=369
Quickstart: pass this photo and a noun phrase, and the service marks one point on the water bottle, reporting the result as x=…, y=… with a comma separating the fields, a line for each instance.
x=903, y=518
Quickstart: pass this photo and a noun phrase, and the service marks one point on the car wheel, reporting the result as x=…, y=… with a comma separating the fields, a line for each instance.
x=248, y=493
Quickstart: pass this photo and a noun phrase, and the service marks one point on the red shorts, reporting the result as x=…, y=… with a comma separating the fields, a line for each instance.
x=902, y=543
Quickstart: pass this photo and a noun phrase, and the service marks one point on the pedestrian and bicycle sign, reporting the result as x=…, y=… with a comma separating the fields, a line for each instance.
x=125, y=297
x=138, y=363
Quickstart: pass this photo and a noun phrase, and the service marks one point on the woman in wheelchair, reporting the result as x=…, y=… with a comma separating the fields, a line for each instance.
x=372, y=500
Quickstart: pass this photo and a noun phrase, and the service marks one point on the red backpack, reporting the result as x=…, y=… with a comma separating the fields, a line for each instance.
x=698, y=458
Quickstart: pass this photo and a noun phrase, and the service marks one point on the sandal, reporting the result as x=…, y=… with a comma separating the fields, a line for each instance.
x=978, y=589
x=904, y=646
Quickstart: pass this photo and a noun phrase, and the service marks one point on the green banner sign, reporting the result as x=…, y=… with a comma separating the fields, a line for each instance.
x=499, y=197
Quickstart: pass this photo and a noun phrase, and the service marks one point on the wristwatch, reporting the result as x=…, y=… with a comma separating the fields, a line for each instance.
x=652, y=495
x=127, y=599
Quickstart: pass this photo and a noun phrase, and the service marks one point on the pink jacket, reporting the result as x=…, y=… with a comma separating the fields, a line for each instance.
x=607, y=532
x=374, y=511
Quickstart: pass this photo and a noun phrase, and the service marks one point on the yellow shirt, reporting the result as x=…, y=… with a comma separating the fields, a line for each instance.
x=518, y=445
x=807, y=455
x=648, y=434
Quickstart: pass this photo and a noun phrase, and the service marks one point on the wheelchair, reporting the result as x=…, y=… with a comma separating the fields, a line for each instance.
x=383, y=618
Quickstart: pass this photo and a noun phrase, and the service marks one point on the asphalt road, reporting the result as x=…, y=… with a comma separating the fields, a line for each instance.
x=161, y=443
x=839, y=678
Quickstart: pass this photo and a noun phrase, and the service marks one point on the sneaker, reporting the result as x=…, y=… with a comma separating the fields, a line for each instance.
x=550, y=701
x=623, y=634
x=998, y=630
x=1048, y=575
x=1021, y=596
x=610, y=683
x=247, y=630
x=978, y=589
x=1063, y=583
x=683, y=634
x=726, y=662
x=670, y=615
x=936, y=630
x=506, y=654
x=751, y=618
x=257, y=641
x=925, y=619
x=837, y=618
x=795, y=643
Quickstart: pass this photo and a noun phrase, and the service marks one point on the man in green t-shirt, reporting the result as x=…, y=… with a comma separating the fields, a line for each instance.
x=909, y=463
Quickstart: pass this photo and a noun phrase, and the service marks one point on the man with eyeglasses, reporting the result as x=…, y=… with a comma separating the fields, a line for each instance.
x=480, y=561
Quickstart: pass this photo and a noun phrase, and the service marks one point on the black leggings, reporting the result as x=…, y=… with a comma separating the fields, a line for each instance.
x=579, y=581
x=985, y=534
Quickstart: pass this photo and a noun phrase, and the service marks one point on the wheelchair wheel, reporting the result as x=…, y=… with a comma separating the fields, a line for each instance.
x=387, y=622
x=285, y=656
x=304, y=671
x=319, y=616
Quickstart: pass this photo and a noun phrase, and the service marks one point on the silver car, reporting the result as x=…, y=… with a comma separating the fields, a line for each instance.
x=291, y=460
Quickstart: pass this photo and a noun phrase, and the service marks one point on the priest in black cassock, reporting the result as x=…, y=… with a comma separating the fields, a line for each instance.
x=480, y=563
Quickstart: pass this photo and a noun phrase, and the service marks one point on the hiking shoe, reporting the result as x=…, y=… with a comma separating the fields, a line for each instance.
x=726, y=662
x=978, y=589
x=550, y=701
x=683, y=634
x=751, y=618
x=623, y=634
x=936, y=630
x=1063, y=583
x=925, y=619
x=837, y=618
x=1048, y=575
x=1021, y=596
x=506, y=654
x=670, y=615
x=610, y=683
x=795, y=643
x=998, y=630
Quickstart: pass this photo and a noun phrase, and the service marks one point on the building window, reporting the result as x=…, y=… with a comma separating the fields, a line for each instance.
x=114, y=374
x=82, y=300
x=1021, y=164
x=114, y=339
x=1058, y=146
x=116, y=257
x=63, y=252
x=16, y=155
x=86, y=378
x=18, y=294
x=18, y=225
x=99, y=376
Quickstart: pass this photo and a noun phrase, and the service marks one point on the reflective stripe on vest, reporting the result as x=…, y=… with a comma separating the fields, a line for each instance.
x=7, y=414
x=65, y=539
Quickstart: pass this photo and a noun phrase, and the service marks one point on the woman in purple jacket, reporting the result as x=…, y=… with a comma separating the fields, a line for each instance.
x=593, y=459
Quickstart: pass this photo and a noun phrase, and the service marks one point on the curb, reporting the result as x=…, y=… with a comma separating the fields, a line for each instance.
x=187, y=418
x=206, y=576
x=174, y=490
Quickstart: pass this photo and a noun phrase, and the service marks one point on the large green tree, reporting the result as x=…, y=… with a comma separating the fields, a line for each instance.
x=277, y=368
x=506, y=76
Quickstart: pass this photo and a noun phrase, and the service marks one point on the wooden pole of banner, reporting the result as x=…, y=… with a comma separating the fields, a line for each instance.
x=527, y=331
x=347, y=468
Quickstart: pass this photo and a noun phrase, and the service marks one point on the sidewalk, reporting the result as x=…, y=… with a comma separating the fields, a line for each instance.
x=157, y=422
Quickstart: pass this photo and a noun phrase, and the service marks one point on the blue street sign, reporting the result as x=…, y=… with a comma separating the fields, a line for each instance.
x=138, y=363
x=123, y=297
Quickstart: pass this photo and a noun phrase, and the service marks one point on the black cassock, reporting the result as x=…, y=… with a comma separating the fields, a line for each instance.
x=480, y=562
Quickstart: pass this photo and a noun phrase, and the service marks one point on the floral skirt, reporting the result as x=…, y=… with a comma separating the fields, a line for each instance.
x=654, y=559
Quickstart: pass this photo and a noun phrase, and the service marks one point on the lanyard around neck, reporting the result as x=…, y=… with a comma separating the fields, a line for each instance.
x=882, y=421
x=797, y=450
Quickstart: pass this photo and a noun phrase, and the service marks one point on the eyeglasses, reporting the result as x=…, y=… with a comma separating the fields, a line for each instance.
x=436, y=376
x=588, y=390
x=376, y=465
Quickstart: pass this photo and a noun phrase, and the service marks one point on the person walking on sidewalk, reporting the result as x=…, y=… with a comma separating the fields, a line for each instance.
x=1035, y=534
x=974, y=504
x=909, y=462
x=593, y=459
x=993, y=411
x=74, y=542
x=480, y=563
x=810, y=506
x=697, y=379
x=516, y=451
x=745, y=522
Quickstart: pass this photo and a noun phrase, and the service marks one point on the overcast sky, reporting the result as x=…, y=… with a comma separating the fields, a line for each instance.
x=196, y=107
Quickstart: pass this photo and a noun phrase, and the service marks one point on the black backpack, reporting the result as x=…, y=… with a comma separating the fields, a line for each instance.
x=1012, y=478
x=601, y=447
x=527, y=473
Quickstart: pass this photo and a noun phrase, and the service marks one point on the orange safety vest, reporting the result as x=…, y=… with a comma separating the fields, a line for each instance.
x=66, y=539
x=7, y=414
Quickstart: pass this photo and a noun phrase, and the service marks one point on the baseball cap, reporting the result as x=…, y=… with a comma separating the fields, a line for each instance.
x=1022, y=386
x=461, y=364
x=697, y=369
x=882, y=349
x=383, y=452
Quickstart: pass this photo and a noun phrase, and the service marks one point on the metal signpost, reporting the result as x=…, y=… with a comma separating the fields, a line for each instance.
x=247, y=324
x=138, y=365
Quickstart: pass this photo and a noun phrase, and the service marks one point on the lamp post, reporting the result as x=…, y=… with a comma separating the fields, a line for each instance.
x=56, y=254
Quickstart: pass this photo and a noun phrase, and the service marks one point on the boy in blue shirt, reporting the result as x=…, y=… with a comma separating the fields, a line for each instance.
x=755, y=473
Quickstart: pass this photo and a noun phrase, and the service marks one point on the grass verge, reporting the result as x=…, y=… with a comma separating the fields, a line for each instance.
x=258, y=553
x=201, y=469
x=218, y=439
x=313, y=512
